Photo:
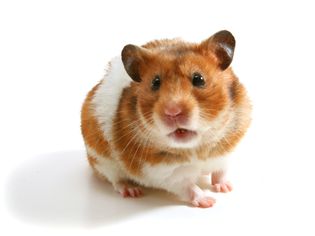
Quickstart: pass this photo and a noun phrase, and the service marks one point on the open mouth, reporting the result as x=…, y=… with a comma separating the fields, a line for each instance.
x=182, y=135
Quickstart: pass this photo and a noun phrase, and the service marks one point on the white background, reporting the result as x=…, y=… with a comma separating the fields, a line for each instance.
x=53, y=52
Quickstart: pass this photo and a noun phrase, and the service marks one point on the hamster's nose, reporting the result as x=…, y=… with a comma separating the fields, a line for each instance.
x=172, y=111
x=174, y=114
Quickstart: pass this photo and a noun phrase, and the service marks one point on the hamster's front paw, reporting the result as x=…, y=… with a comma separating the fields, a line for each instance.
x=200, y=198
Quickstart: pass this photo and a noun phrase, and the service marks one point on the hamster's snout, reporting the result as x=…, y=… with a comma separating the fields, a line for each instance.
x=177, y=120
x=174, y=115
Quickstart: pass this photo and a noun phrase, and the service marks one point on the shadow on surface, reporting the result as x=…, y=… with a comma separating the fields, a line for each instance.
x=60, y=188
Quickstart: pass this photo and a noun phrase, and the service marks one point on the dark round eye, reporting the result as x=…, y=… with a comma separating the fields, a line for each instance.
x=156, y=83
x=198, y=80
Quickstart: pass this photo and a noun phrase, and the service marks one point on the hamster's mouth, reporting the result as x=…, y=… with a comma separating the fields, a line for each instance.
x=182, y=135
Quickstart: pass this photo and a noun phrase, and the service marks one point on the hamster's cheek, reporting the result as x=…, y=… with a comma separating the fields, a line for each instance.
x=159, y=126
x=216, y=128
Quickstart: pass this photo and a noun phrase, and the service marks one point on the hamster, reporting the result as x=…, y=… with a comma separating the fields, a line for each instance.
x=166, y=115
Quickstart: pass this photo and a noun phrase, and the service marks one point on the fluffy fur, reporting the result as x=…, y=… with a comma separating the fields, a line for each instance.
x=133, y=133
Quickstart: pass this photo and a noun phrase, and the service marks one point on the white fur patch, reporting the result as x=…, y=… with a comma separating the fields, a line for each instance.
x=106, y=99
x=168, y=176
x=106, y=166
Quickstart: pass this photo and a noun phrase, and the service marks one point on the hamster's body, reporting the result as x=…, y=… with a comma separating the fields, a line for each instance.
x=166, y=115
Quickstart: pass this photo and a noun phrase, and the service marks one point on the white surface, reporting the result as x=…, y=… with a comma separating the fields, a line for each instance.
x=53, y=52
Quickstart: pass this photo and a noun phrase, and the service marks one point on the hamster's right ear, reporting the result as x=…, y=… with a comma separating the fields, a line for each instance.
x=222, y=44
x=132, y=57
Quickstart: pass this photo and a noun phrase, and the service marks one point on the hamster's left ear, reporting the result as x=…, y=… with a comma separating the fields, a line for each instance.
x=133, y=57
x=222, y=44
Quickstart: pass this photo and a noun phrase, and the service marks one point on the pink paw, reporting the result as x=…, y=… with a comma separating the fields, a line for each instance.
x=203, y=202
x=222, y=187
x=200, y=198
x=128, y=191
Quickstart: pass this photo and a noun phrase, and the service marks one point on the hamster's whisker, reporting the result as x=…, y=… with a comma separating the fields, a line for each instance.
x=140, y=143
x=126, y=124
x=135, y=134
x=208, y=109
x=148, y=136
x=206, y=112
x=129, y=124
x=131, y=131
x=143, y=143
x=133, y=128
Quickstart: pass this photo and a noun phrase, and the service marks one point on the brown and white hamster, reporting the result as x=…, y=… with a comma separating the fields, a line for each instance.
x=165, y=116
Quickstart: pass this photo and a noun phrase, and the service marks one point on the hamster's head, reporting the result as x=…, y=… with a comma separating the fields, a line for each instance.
x=181, y=88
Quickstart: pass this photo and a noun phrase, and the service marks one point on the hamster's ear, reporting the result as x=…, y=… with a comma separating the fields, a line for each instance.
x=222, y=44
x=132, y=57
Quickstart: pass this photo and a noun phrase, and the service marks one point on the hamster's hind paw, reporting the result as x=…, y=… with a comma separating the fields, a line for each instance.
x=128, y=190
x=219, y=183
x=131, y=192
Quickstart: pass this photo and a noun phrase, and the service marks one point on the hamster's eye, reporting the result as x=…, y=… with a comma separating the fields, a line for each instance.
x=198, y=80
x=156, y=83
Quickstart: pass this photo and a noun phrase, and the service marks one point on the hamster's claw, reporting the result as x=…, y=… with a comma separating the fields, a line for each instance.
x=127, y=190
x=131, y=192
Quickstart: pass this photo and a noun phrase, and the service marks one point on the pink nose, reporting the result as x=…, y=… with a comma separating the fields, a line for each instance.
x=174, y=114
x=172, y=111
